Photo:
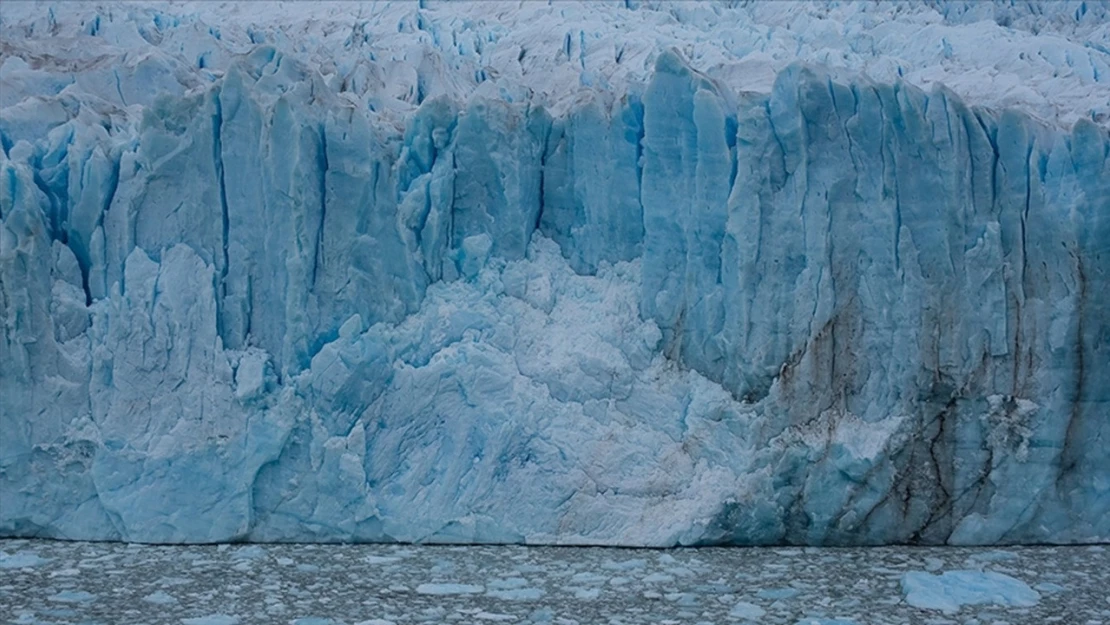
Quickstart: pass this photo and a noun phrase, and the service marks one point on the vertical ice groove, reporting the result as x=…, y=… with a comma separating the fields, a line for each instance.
x=109, y=196
x=218, y=161
x=322, y=172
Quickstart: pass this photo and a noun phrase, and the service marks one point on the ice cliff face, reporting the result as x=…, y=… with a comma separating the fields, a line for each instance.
x=250, y=295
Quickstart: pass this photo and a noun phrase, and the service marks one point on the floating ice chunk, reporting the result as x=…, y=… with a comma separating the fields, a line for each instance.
x=252, y=552
x=211, y=619
x=953, y=589
x=587, y=578
x=778, y=593
x=381, y=559
x=747, y=610
x=160, y=597
x=657, y=577
x=513, y=589
x=517, y=594
x=1049, y=588
x=21, y=560
x=625, y=565
x=494, y=616
x=685, y=599
x=993, y=556
x=449, y=589
x=507, y=583
x=74, y=596
x=587, y=593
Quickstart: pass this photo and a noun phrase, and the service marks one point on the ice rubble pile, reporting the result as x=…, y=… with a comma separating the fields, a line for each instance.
x=478, y=272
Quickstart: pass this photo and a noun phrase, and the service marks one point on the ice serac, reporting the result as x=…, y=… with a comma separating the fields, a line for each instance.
x=271, y=303
x=591, y=177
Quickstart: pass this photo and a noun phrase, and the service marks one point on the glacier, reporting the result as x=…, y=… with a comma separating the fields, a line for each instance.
x=606, y=273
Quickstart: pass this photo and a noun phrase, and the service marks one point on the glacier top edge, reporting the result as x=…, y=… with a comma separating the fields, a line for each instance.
x=1052, y=62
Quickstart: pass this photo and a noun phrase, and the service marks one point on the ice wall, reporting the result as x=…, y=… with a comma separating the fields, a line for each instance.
x=839, y=311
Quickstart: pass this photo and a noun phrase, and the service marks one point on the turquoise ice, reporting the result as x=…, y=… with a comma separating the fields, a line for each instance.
x=256, y=290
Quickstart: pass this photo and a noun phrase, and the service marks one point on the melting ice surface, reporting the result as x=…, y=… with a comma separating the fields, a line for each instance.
x=573, y=273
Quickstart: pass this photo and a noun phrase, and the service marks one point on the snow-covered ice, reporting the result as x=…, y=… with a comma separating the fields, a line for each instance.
x=578, y=273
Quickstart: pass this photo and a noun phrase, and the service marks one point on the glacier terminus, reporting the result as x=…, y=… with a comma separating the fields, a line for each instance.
x=613, y=273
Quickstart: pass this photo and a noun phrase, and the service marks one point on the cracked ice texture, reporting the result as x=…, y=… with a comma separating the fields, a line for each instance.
x=265, y=285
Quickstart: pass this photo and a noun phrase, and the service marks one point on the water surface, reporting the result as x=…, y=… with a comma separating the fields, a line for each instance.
x=62, y=582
